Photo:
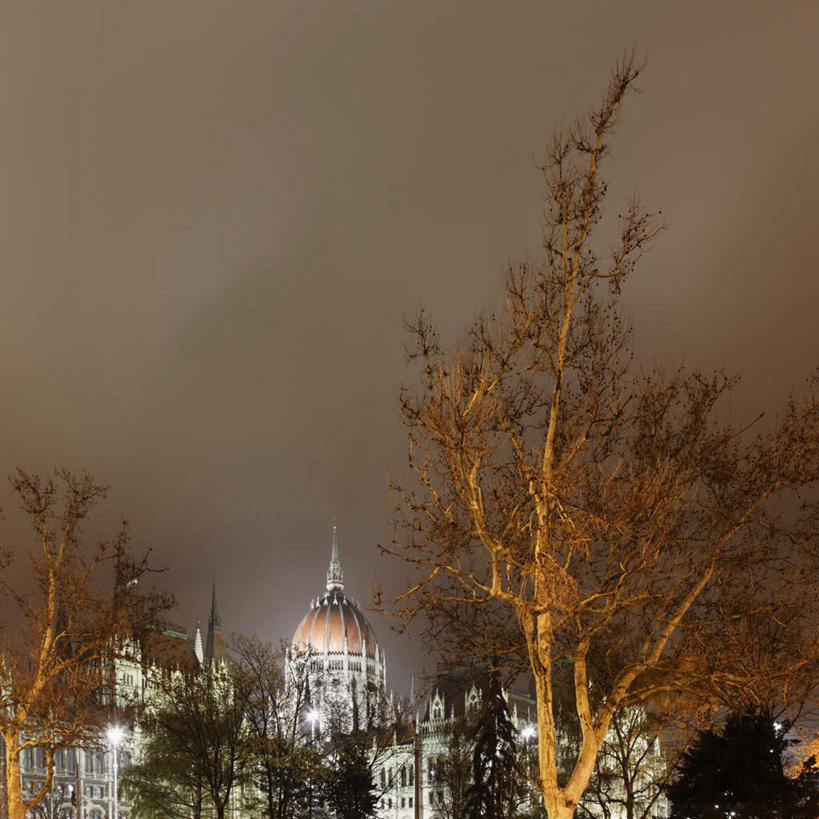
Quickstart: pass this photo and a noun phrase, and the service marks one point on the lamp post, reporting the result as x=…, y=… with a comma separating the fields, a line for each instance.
x=313, y=718
x=114, y=734
x=529, y=734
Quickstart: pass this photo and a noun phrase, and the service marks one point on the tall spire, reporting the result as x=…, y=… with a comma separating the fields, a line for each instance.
x=215, y=619
x=215, y=645
x=335, y=577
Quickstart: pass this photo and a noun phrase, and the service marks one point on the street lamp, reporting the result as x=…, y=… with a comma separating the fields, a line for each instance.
x=313, y=718
x=115, y=734
x=528, y=732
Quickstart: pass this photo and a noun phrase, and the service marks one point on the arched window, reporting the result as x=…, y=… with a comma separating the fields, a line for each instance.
x=411, y=774
x=403, y=777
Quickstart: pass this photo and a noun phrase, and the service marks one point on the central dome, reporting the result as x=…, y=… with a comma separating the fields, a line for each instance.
x=347, y=671
x=335, y=625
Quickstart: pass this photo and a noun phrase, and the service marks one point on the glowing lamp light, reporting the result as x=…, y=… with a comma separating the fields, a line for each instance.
x=114, y=734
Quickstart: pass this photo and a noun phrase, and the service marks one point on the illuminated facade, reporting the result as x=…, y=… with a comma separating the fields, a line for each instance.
x=347, y=671
x=335, y=649
x=347, y=684
x=347, y=676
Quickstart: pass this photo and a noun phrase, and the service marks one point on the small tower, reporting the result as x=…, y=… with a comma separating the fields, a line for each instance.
x=215, y=646
x=197, y=645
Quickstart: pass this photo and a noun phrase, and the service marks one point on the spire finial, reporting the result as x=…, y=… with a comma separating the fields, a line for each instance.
x=335, y=577
x=215, y=619
x=215, y=646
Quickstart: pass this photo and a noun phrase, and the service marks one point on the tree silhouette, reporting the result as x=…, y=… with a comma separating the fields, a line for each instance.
x=622, y=527
x=497, y=783
x=738, y=771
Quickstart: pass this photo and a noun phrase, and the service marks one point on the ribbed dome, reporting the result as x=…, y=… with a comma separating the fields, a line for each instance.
x=335, y=625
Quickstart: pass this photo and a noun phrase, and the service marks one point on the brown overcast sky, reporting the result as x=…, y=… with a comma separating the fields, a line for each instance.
x=214, y=215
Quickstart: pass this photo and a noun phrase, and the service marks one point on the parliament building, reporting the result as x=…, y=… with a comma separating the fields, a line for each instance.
x=335, y=648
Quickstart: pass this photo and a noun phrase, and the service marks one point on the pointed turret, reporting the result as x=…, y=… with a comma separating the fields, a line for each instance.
x=215, y=646
x=335, y=577
x=197, y=645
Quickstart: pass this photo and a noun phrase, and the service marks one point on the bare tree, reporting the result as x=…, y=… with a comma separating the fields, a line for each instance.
x=287, y=764
x=197, y=749
x=621, y=524
x=453, y=771
x=56, y=666
x=631, y=768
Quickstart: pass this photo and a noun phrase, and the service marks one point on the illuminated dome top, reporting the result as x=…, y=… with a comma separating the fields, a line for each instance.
x=334, y=624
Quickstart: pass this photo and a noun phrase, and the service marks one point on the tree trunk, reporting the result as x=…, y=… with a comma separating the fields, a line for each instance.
x=553, y=797
x=271, y=797
x=13, y=788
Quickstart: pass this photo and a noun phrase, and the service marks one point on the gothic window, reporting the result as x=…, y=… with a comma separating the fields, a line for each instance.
x=403, y=778
x=411, y=775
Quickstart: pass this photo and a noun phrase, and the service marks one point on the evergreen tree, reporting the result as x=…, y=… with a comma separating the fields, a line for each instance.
x=739, y=772
x=497, y=785
x=350, y=790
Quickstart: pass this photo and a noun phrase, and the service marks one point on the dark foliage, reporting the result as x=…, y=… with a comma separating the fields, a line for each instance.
x=350, y=791
x=496, y=782
x=738, y=771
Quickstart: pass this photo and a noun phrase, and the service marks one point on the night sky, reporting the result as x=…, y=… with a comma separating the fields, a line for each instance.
x=216, y=216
